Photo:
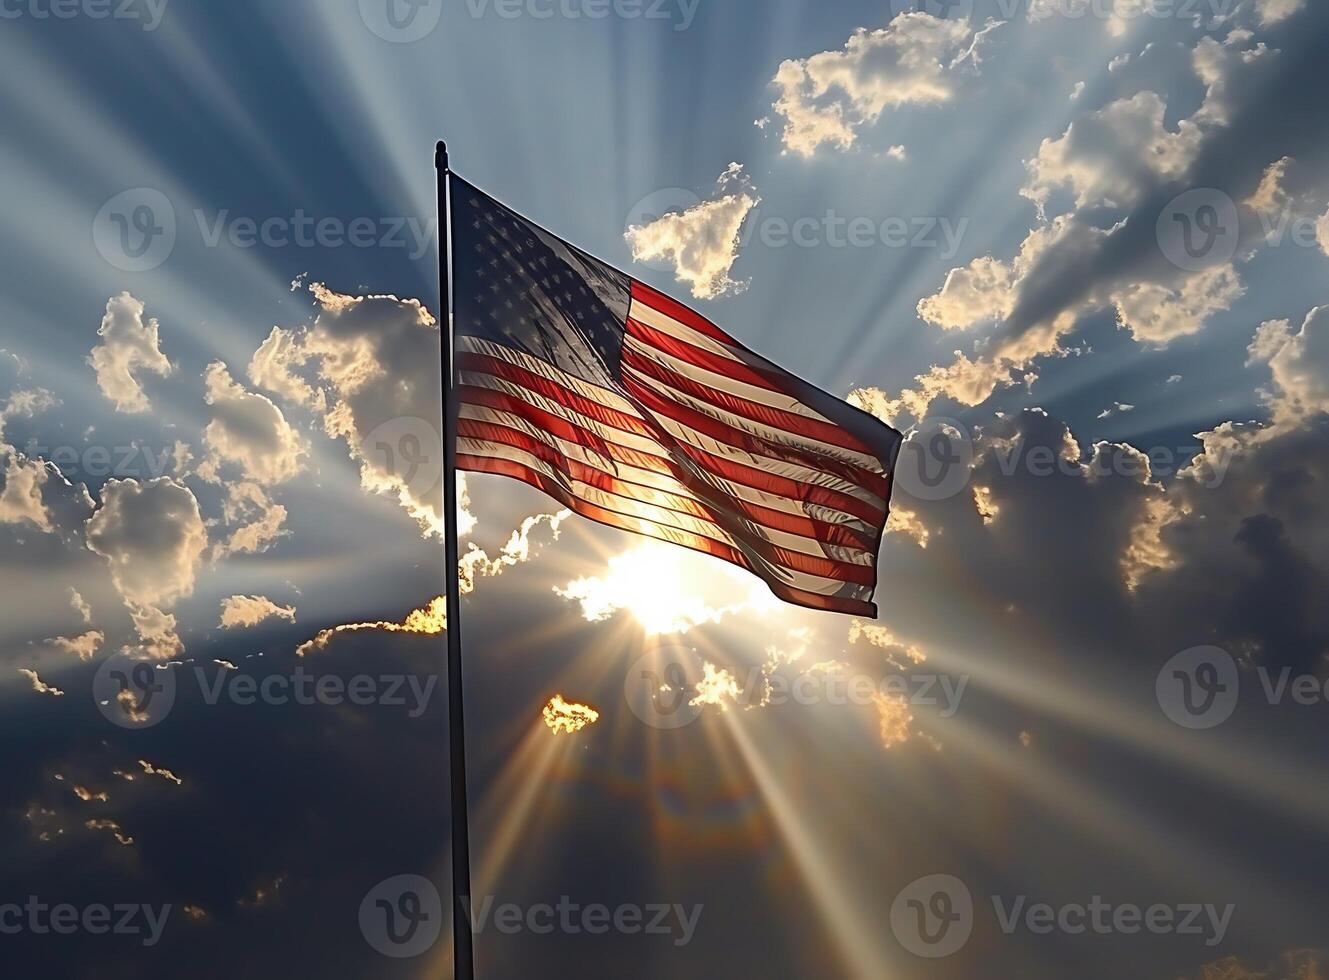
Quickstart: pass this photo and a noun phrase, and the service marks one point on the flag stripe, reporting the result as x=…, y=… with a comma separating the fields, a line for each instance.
x=597, y=430
x=792, y=586
x=742, y=444
x=778, y=547
x=664, y=490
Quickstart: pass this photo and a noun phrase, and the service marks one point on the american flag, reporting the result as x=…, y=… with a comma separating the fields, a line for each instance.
x=630, y=409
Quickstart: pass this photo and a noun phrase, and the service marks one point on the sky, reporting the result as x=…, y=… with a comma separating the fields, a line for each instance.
x=1074, y=249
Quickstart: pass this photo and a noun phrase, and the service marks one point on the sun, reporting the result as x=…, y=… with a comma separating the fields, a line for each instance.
x=668, y=589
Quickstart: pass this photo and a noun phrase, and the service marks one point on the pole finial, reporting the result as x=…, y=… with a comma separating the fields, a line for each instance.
x=441, y=156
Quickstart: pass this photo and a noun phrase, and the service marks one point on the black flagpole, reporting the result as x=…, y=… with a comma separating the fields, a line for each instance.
x=462, y=942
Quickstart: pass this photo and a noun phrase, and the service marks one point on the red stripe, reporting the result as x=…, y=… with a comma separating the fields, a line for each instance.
x=804, y=526
x=707, y=359
x=746, y=441
x=484, y=364
x=775, y=418
x=661, y=303
x=822, y=567
x=503, y=467
x=734, y=472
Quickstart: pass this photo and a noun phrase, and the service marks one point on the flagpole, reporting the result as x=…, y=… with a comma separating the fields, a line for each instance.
x=462, y=941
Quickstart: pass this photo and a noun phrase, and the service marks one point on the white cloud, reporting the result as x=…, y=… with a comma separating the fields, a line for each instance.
x=39, y=685
x=80, y=605
x=272, y=367
x=84, y=646
x=1103, y=155
x=153, y=538
x=21, y=499
x=250, y=610
x=130, y=346
x=1300, y=365
x=831, y=96
x=702, y=242
x=1272, y=12
x=257, y=520
x=248, y=429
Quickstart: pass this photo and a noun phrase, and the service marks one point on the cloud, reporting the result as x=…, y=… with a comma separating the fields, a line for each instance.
x=429, y=621
x=1300, y=365
x=830, y=97
x=130, y=347
x=39, y=685
x=250, y=610
x=1123, y=160
x=21, y=499
x=701, y=242
x=476, y=563
x=272, y=367
x=249, y=430
x=568, y=717
x=1271, y=12
x=1296, y=964
x=153, y=538
x=166, y=774
x=85, y=645
x=257, y=520
x=80, y=605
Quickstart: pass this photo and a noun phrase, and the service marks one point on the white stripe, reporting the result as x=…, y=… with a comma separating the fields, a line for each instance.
x=739, y=389
x=759, y=430
x=649, y=315
x=777, y=467
x=643, y=444
x=658, y=513
x=605, y=396
x=665, y=481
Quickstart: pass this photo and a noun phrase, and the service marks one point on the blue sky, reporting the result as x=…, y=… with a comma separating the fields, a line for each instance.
x=991, y=199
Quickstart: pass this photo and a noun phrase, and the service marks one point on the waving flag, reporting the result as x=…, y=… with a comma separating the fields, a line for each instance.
x=632, y=410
